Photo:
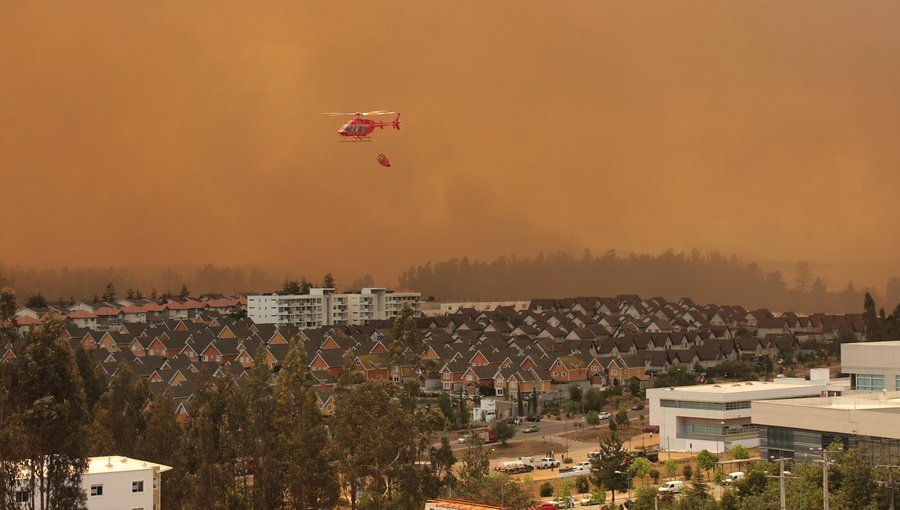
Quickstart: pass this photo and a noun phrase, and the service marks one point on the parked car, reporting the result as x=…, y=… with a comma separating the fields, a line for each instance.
x=651, y=455
x=737, y=475
x=588, y=501
x=638, y=406
x=560, y=503
x=513, y=421
x=546, y=506
x=530, y=429
x=672, y=487
x=603, y=415
x=651, y=429
x=533, y=418
x=547, y=463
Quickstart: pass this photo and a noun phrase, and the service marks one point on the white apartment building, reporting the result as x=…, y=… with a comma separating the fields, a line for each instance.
x=116, y=483
x=324, y=307
x=716, y=417
x=873, y=366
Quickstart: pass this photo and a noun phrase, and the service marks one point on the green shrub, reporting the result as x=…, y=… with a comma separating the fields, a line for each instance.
x=546, y=489
x=582, y=484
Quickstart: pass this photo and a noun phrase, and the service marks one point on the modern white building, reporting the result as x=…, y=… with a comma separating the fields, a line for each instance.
x=873, y=366
x=116, y=483
x=717, y=416
x=324, y=307
x=800, y=428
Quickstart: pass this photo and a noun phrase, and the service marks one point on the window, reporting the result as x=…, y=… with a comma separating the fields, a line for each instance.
x=869, y=382
x=22, y=496
x=137, y=486
x=97, y=490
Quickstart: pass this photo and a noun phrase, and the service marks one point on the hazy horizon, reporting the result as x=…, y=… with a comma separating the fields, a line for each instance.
x=183, y=134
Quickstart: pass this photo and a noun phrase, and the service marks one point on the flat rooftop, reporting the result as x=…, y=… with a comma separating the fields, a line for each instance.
x=873, y=414
x=747, y=386
x=119, y=464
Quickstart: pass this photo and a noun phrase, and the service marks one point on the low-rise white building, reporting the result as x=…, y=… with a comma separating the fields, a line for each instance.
x=716, y=417
x=486, y=410
x=873, y=366
x=116, y=483
x=800, y=428
x=324, y=307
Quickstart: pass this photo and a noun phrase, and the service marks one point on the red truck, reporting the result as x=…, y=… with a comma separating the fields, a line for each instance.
x=485, y=434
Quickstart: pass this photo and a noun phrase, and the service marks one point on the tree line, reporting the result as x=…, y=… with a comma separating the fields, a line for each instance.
x=709, y=278
x=68, y=285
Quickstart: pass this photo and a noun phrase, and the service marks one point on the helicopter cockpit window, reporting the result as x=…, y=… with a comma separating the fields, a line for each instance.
x=360, y=128
x=346, y=127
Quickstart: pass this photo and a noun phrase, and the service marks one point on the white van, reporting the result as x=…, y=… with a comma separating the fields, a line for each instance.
x=674, y=486
x=733, y=477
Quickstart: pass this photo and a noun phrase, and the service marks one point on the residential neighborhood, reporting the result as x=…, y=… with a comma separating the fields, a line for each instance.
x=505, y=352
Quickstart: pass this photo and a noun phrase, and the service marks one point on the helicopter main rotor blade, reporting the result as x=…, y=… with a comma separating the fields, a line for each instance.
x=359, y=114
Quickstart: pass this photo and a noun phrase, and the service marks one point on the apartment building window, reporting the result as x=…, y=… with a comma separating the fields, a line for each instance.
x=97, y=490
x=869, y=382
x=137, y=486
x=22, y=496
x=897, y=382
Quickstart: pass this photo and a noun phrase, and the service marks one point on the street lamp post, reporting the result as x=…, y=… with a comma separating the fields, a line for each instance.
x=628, y=479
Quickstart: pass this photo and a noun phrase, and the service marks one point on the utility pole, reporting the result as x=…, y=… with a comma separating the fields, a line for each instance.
x=781, y=483
x=890, y=469
x=781, y=478
x=825, y=498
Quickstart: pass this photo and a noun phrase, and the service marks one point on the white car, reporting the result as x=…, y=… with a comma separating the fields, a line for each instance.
x=588, y=501
x=568, y=503
x=547, y=463
x=603, y=415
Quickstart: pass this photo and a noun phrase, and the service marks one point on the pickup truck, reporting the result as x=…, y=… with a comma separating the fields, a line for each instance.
x=547, y=463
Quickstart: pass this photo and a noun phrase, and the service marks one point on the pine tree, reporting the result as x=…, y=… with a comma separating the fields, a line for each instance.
x=109, y=295
x=873, y=329
x=612, y=458
x=408, y=347
x=118, y=415
x=208, y=449
x=260, y=444
x=7, y=311
x=328, y=281
x=184, y=291
x=379, y=436
x=161, y=443
x=308, y=476
x=50, y=418
x=475, y=467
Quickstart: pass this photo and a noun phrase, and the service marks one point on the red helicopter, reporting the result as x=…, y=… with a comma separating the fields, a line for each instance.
x=360, y=128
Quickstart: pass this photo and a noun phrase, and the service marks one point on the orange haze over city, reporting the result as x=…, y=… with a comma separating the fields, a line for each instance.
x=189, y=133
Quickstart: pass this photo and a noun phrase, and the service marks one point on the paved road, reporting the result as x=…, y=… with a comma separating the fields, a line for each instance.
x=547, y=428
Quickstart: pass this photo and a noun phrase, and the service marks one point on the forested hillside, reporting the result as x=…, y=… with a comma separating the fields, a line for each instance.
x=709, y=278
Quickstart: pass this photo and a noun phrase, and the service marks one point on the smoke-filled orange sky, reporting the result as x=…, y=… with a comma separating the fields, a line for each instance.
x=172, y=132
